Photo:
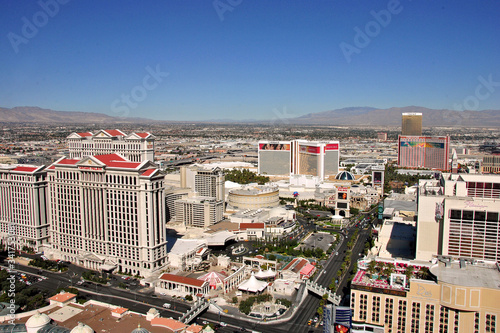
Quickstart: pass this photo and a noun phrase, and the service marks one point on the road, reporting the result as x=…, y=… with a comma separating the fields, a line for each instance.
x=141, y=302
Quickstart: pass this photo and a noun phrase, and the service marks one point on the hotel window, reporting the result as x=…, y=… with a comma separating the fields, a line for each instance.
x=490, y=323
x=443, y=319
x=402, y=316
x=376, y=309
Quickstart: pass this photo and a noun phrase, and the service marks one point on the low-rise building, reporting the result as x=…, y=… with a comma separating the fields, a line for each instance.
x=176, y=285
x=450, y=296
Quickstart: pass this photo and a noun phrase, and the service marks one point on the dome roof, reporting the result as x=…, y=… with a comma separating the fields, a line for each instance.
x=37, y=320
x=344, y=175
x=139, y=329
x=82, y=328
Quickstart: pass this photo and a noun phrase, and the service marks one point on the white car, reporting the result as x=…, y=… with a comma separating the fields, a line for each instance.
x=223, y=323
x=166, y=305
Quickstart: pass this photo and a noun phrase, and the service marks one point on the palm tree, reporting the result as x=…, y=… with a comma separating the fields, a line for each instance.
x=371, y=267
x=409, y=272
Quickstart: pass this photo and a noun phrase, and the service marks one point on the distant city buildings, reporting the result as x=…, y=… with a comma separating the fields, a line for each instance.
x=382, y=136
x=299, y=157
x=136, y=147
x=424, y=152
x=491, y=164
x=411, y=124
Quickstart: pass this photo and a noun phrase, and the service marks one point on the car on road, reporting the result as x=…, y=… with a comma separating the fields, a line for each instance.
x=223, y=323
x=166, y=305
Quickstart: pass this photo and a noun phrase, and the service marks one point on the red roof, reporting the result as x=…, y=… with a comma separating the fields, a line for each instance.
x=84, y=134
x=110, y=157
x=116, y=161
x=148, y=172
x=171, y=324
x=307, y=269
x=296, y=264
x=114, y=132
x=120, y=310
x=25, y=169
x=143, y=135
x=62, y=297
x=244, y=226
x=52, y=167
x=182, y=279
x=194, y=328
x=68, y=161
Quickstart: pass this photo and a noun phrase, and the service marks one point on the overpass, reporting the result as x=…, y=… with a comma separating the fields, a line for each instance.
x=319, y=290
x=198, y=307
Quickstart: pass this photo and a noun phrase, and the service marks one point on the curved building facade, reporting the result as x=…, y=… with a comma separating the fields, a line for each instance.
x=254, y=197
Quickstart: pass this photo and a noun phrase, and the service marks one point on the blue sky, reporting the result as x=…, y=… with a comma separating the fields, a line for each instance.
x=248, y=59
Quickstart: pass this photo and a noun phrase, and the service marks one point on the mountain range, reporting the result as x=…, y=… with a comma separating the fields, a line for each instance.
x=354, y=116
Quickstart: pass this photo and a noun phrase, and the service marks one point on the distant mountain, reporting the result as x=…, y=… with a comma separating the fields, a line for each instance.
x=354, y=116
x=31, y=114
x=367, y=116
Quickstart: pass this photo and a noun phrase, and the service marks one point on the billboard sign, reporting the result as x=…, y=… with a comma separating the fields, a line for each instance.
x=332, y=146
x=309, y=149
x=274, y=146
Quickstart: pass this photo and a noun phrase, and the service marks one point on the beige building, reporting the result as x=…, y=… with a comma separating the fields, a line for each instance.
x=207, y=182
x=253, y=197
x=456, y=297
x=491, y=164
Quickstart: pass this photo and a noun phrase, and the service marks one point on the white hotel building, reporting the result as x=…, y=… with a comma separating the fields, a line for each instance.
x=136, y=147
x=23, y=216
x=459, y=215
x=108, y=212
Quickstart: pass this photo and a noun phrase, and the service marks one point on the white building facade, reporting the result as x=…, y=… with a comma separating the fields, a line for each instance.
x=136, y=147
x=108, y=212
x=459, y=215
x=200, y=212
x=23, y=213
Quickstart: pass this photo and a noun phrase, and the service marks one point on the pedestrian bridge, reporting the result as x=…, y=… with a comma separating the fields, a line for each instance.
x=319, y=290
x=198, y=307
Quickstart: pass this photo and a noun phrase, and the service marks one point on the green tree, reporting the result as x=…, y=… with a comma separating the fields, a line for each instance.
x=320, y=311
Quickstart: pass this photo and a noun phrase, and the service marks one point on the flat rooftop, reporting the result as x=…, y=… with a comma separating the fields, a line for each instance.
x=478, y=275
x=98, y=317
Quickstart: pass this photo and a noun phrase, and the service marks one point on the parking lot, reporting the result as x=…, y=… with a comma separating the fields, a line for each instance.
x=318, y=240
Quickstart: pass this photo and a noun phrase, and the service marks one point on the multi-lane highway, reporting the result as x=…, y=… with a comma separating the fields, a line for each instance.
x=141, y=302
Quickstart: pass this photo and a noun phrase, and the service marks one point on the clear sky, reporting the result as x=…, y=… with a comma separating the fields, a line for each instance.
x=248, y=59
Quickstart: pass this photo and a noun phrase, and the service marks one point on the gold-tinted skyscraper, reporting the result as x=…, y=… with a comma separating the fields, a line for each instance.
x=412, y=124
